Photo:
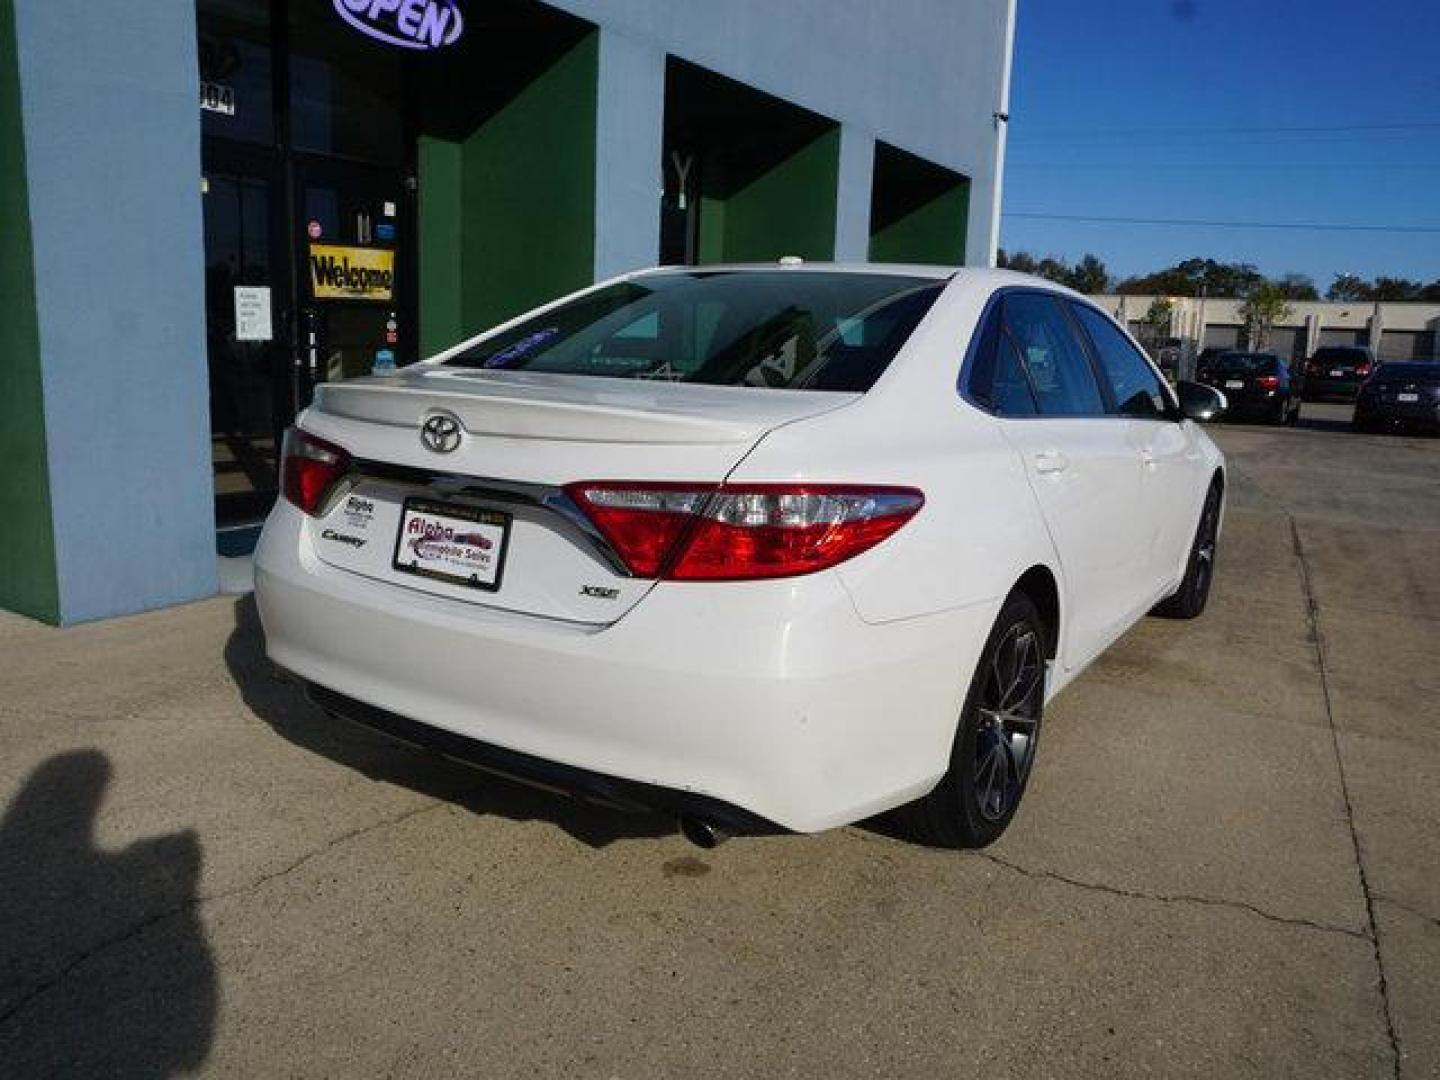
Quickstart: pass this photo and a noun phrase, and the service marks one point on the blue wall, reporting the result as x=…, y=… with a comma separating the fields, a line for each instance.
x=112, y=140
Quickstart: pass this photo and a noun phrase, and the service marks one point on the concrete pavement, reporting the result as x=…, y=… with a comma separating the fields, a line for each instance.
x=1228, y=862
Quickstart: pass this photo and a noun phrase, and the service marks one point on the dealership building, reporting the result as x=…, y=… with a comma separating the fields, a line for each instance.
x=208, y=207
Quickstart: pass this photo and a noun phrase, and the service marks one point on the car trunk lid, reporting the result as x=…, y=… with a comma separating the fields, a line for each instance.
x=486, y=521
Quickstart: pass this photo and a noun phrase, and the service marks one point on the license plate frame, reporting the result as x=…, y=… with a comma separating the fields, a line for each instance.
x=1407, y=399
x=479, y=528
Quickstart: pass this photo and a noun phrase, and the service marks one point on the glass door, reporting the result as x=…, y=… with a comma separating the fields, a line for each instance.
x=354, y=291
x=245, y=311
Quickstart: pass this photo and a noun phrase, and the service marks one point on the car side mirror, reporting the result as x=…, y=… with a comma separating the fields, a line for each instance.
x=1200, y=402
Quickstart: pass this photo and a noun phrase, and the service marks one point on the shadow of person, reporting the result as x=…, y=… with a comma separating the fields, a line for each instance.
x=279, y=700
x=104, y=967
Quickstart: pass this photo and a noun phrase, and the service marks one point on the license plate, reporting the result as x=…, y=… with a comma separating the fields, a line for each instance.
x=1235, y=384
x=1407, y=397
x=462, y=545
x=1337, y=374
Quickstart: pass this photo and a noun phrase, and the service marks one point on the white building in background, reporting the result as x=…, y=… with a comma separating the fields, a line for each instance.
x=1396, y=331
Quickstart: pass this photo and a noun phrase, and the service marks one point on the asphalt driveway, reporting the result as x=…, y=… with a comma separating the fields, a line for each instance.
x=1228, y=863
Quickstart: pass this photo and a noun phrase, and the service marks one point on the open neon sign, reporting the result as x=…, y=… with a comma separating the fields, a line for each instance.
x=410, y=24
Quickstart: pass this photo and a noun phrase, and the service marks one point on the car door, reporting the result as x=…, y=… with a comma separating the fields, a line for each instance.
x=1172, y=468
x=1035, y=376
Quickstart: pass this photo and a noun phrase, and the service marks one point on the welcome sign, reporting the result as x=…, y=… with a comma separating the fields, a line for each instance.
x=351, y=273
x=410, y=24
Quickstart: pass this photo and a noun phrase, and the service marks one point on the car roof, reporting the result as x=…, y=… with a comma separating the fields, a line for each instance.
x=935, y=272
x=973, y=276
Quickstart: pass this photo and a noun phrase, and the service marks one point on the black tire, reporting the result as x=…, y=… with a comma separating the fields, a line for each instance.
x=1294, y=418
x=995, y=741
x=1188, y=601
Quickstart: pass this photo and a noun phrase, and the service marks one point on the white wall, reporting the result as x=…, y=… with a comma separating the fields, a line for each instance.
x=924, y=75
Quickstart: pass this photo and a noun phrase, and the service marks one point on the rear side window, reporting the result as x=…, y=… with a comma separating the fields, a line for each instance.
x=1136, y=388
x=790, y=330
x=1044, y=340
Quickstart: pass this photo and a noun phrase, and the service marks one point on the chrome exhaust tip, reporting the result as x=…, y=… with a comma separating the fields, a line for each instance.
x=703, y=833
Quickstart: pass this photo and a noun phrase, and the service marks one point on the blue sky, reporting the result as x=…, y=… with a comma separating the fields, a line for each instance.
x=1128, y=108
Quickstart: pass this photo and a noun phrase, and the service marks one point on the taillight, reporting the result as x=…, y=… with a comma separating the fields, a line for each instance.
x=685, y=532
x=1267, y=382
x=308, y=467
x=1362, y=370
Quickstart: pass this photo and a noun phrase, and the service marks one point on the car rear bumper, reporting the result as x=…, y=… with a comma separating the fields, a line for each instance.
x=1408, y=412
x=1344, y=389
x=772, y=697
x=1252, y=406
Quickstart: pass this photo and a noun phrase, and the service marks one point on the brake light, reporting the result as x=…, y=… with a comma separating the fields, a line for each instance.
x=1267, y=382
x=685, y=532
x=1362, y=370
x=308, y=468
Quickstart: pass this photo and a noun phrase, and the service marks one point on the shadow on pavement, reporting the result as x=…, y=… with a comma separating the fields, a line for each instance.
x=1318, y=423
x=279, y=700
x=104, y=967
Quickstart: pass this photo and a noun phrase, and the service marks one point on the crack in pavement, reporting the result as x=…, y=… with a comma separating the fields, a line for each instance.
x=64, y=972
x=1312, y=613
x=1173, y=898
x=1317, y=638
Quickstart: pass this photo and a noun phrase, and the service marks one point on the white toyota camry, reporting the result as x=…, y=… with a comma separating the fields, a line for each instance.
x=756, y=546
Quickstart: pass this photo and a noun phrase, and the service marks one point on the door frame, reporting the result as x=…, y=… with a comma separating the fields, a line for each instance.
x=284, y=168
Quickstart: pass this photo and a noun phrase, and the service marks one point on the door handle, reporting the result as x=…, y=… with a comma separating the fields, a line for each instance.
x=1051, y=461
x=1147, y=458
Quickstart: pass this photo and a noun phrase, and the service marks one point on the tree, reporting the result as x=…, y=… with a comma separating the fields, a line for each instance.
x=1156, y=323
x=1188, y=277
x=1263, y=308
x=1297, y=287
x=1389, y=288
x=1089, y=276
x=1347, y=288
x=1018, y=261
x=1053, y=269
x=1431, y=292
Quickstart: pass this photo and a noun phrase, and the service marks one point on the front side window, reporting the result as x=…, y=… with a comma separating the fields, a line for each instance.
x=1137, y=389
x=791, y=330
x=1060, y=374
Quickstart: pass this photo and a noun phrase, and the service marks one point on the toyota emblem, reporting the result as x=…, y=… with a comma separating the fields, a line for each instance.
x=440, y=433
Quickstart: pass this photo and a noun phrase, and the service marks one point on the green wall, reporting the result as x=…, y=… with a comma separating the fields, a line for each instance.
x=789, y=210
x=441, y=267
x=933, y=233
x=507, y=217
x=28, y=581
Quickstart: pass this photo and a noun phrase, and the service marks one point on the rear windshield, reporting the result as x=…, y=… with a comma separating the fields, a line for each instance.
x=792, y=330
x=1340, y=354
x=1248, y=363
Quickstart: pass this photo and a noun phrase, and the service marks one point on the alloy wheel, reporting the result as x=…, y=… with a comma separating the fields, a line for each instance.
x=1009, y=715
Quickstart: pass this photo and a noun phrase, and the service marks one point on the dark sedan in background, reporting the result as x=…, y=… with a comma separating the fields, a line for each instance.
x=1258, y=386
x=1400, y=393
x=1336, y=371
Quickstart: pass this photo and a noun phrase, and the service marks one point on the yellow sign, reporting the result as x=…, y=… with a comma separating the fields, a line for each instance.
x=351, y=273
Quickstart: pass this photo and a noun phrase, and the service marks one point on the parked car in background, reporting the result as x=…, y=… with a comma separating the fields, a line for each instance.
x=1336, y=371
x=789, y=544
x=1258, y=386
x=1205, y=361
x=1400, y=393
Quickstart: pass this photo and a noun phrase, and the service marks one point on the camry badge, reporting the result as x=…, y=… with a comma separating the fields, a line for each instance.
x=440, y=433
